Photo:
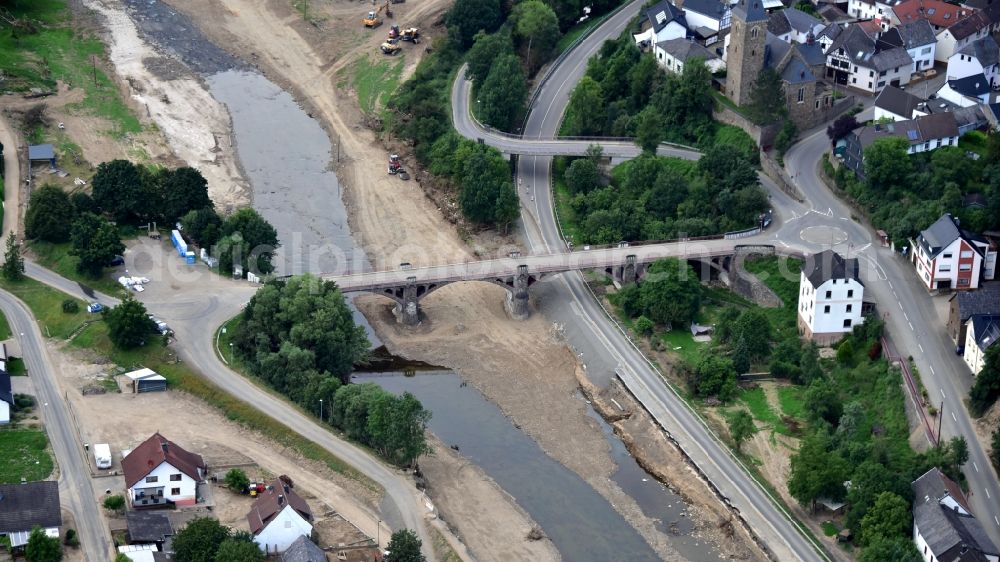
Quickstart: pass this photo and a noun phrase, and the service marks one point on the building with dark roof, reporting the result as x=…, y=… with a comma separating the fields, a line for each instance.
x=965, y=92
x=159, y=472
x=898, y=105
x=711, y=14
x=858, y=60
x=982, y=56
x=148, y=527
x=972, y=27
x=924, y=134
x=26, y=506
x=948, y=257
x=794, y=26
x=966, y=304
x=278, y=517
x=982, y=331
x=675, y=53
x=919, y=41
x=944, y=529
x=6, y=398
x=663, y=21
x=303, y=550
x=831, y=297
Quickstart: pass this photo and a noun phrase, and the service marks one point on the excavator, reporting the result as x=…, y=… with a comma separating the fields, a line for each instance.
x=411, y=34
x=373, y=20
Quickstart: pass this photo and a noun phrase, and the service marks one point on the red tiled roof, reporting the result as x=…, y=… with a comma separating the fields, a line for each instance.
x=153, y=452
x=271, y=501
x=937, y=12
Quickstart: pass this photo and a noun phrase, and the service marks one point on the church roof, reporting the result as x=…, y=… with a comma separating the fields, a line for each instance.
x=750, y=11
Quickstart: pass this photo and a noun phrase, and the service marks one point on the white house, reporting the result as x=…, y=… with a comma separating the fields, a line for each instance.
x=877, y=10
x=710, y=14
x=979, y=57
x=953, y=39
x=966, y=92
x=663, y=21
x=897, y=105
x=947, y=257
x=919, y=41
x=674, y=54
x=6, y=399
x=830, y=297
x=982, y=331
x=26, y=506
x=159, y=472
x=278, y=517
x=943, y=526
x=794, y=26
x=857, y=59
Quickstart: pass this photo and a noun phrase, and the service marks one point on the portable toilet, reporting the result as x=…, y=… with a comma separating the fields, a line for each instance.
x=189, y=258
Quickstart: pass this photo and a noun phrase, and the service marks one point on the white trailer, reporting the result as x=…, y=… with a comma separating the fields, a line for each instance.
x=102, y=455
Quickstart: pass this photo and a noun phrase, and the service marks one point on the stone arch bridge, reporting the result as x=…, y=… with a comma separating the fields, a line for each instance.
x=517, y=274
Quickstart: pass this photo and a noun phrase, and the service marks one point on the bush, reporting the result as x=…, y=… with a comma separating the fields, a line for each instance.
x=70, y=306
x=237, y=481
x=644, y=326
x=71, y=538
x=114, y=503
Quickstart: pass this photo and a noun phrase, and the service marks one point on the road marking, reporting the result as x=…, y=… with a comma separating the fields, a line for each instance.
x=911, y=326
x=953, y=417
x=890, y=284
x=997, y=520
x=900, y=305
x=942, y=393
x=844, y=219
x=919, y=345
x=975, y=466
x=987, y=493
x=932, y=372
x=906, y=316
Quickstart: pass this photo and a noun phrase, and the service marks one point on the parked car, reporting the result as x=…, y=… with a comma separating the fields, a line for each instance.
x=117, y=260
x=94, y=307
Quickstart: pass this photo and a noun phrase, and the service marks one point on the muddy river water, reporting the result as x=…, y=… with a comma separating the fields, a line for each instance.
x=286, y=156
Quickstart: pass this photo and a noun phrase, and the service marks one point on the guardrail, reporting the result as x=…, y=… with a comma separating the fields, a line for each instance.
x=911, y=384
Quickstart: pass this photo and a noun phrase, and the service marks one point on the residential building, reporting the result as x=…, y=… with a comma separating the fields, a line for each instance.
x=944, y=529
x=6, y=398
x=830, y=297
x=858, y=60
x=710, y=14
x=898, y=105
x=966, y=92
x=982, y=331
x=794, y=26
x=278, y=517
x=971, y=28
x=979, y=57
x=148, y=527
x=947, y=257
x=663, y=21
x=674, y=53
x=940, y=14
x=964, y=305
x=877, y=10
x=826, y=37
x=303, y=550
x=159, y=472
x=924, y=134
x=919, y=41
x=989, y=7
x=26, y=506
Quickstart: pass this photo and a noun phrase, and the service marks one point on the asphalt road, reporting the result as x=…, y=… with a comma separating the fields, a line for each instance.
x=76, y=491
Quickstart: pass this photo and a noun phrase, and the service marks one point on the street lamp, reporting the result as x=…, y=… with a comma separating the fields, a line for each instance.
x=230, y=352
x=320, y=409
x=378, y=534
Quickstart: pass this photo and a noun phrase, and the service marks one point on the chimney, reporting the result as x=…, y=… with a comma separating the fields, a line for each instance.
x=281, y=499
x=163, y=444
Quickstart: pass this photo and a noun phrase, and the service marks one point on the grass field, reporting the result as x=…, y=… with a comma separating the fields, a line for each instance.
x=4, y=327
x=46, y=304
x=56, y=52
x=57, y=257
x=24, y=454
x=792, y=400
x=375, y=80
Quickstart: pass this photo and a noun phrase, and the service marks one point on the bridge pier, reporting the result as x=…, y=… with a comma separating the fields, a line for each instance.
x=407, y=310
x=517, y=296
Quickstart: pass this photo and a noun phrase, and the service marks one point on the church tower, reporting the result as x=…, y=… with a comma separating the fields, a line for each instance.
x=745, y=56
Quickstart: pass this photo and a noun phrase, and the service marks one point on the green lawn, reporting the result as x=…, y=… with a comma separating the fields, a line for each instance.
x=974, y=141
x=57, y=52
x=16, y=368
x=830, y=528
x=792, y=400
x=46, y=304
x=57, y=257
x=23, y=454
x=4, y=327
x=564, y=210
x=375, y=80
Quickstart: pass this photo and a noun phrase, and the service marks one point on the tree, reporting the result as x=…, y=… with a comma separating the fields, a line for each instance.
x=822, y=401
x=49, y=216
x=887, y=164
x=644, y=326
x=42, y=548
x=184, y=189
x=785, y=137
x=869, y=480
x=122, y=558
x=959, y=451
x=536, y=28
x=96, y=243
x=396, y=427
x=204, y=226
x=888, y=518
x=508, y=207
x=118, y=189
x=845, y=352
x=741, y=427
x=816, y=472
x=84, y=203
x=466, y=18
x=767, y=99
x=502, y=96
x=582, y=176
x=995, y=447
x=585, y=111
x=404, y=546
x=752, y=331
x=248, y=240
x=13, y=263
x=715, y=376
x=986, y=389
x=487, y=49
x=114, y=503
x=670, y=292
x=238, y=550
x=895, y=549
x=841, y=127
x=128, y=323
x=199, y=540
x=485, y=174
x=649, y=132
x=237, y=481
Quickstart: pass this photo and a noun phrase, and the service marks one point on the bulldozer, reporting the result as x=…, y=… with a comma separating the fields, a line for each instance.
x=373, y=18
x=411, y=34
x=390, y=48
